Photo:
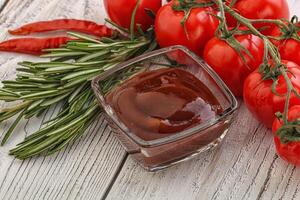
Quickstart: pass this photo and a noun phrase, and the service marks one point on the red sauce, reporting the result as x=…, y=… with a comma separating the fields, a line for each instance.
x=161, y=102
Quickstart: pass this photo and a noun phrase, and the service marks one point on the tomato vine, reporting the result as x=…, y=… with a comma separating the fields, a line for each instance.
x=273, y=70
x=272, y=67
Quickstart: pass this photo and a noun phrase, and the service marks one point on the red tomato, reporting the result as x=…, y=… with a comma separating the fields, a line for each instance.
x=120, y=11
x=260, y=99
x=229, y=65
x=261, y=9
x=200, y=26
x=289, y=49
x=288, y=151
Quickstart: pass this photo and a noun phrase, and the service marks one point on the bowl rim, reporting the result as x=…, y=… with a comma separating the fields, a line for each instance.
x=177, y=136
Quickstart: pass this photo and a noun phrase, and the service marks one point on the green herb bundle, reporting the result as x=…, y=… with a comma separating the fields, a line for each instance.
x=64, y=80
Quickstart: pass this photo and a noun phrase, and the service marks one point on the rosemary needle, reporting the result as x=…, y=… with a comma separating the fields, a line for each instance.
x=64, y=80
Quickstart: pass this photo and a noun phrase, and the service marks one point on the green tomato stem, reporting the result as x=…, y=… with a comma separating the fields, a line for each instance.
x=290, y=88
x=223, y=23
x=132, y=23
x=272, y=52
x=273, y=21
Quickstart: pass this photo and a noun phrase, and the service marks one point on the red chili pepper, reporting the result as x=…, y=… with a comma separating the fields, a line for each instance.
x=83, y=26
x=32, y=46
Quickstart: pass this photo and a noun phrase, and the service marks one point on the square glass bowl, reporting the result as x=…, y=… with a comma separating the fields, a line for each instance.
x=166, y=151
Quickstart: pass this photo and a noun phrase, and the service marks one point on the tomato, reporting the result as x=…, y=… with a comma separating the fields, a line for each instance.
x=260, y=99
x=120, y=12
x=261, y=9
x=200, y=27
x=288, y=151
x=228, y=63
x=289, y=49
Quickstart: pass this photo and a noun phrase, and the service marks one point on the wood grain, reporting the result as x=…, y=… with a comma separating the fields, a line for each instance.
x=245, y=166
x=2, y=4
x=86, y=168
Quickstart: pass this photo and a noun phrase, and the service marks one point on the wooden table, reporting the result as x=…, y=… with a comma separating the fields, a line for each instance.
x=244, y=167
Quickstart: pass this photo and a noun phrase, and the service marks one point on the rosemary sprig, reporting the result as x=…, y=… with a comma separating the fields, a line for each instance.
x=64, y=80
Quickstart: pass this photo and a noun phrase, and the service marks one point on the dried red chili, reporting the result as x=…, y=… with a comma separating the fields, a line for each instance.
x=32, y=46
x=83, y=26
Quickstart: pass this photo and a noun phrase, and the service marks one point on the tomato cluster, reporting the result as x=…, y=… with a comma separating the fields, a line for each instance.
x=266, y=9
x=198, y=29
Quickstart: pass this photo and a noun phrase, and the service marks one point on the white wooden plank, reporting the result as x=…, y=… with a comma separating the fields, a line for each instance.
x=85, y=169
x=283, y=181
x=235, y=167
x=244, y=167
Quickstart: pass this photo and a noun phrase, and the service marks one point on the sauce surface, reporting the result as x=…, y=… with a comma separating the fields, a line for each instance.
x=161, y=102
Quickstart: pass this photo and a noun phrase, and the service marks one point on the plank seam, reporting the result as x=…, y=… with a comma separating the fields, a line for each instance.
x=4, y=5
x=262, y=190
x=288, y=183
x=216, y=193
x=296, y=192
x=78, y=159
x=112, y=182
x=34, y=160
x=96, y=126
x=44, y=159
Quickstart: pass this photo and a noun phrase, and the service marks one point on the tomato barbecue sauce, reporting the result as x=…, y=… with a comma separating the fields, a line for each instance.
x=161, y=102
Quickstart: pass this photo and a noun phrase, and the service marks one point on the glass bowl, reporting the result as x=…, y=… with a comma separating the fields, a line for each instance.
x=166, y=151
